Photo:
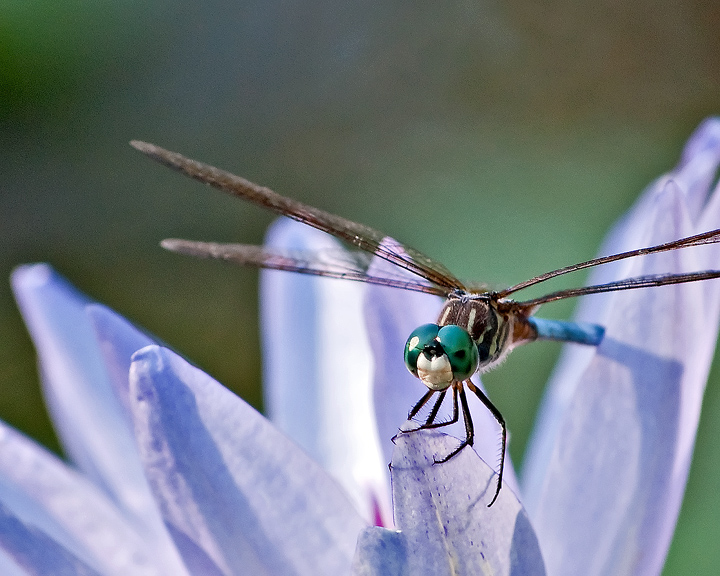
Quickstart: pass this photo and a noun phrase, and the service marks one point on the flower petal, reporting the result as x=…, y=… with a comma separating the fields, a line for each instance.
x=117, y=340
x=230, y=486
x=317, y=370
x=46, y=503
x=36, y=552
x=697, y=169
x=445, y=524
x=391, y=315
x=93, y=429
x=616, y=445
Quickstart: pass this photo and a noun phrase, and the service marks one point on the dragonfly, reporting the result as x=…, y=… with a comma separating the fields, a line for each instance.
x=476, y=328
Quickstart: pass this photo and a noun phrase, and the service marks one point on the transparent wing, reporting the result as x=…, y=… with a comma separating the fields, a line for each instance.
x=711, y=237
x=627, y=284
x=363, y=237
x=348, y=265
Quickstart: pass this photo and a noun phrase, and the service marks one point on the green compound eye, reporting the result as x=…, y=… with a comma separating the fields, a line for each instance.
x=416, y=342
x=456, y=343
x=460, y=350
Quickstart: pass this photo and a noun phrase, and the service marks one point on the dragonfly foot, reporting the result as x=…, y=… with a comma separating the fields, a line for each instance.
x=453, y=453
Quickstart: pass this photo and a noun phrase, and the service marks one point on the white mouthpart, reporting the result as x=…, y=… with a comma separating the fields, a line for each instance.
x=435, y=373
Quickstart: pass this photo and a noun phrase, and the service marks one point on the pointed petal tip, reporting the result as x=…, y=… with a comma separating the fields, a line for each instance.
x=287, y=233
x=152, y=354
x=705, y=137
x=440, y=523
x=106, y=321
x=31, y=275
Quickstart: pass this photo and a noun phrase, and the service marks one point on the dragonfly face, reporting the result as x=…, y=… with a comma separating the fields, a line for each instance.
x=440, y=355
x=474, y=331
x=471, y=335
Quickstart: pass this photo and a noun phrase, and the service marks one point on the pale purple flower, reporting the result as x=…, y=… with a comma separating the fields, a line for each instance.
x=176, y=475
x=173, y=474
x=607, y=465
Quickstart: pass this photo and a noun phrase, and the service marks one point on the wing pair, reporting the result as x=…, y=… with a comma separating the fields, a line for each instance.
x=432, y=276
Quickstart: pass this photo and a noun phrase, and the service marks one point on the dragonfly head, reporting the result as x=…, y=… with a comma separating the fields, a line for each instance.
x=440, y=355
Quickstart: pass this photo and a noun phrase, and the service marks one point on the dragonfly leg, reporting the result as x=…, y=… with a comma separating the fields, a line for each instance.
x=500, y=420
x=433, y=412
x=418, y=407
x=430, y=422
x=420, y=404
x=469, y=429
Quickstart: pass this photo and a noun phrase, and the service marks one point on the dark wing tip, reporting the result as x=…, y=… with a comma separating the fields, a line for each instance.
x=172, y=244
x=144, y=147
x=188, y=247
x=157, y=153
x=170, y=159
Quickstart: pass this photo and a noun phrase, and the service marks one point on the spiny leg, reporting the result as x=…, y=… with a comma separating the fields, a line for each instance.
x=435, y=409
x=429, y=422
x=500, y=420
x=420, y=404
x=433, y=412
x=458, y=389
x=469, y=430
x=418, y=407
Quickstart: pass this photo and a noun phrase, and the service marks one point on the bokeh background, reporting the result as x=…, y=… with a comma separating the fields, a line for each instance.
x=502, y=138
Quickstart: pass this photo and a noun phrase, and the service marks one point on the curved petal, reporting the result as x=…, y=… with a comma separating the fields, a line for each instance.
x=35, y=551
x=92, y=423
x=614, y=452
x=317, y=370
x=79, y=395
x=445, y=524
x=45, y=503
x=117, y=340
x=391, y=315
x=230, y=486
x=697, y=168
x=86, y=414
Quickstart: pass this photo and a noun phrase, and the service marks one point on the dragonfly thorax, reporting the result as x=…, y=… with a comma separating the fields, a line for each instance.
x=490, y=329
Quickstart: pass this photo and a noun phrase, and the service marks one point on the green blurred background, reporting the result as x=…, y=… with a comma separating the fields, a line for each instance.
x=500, y=138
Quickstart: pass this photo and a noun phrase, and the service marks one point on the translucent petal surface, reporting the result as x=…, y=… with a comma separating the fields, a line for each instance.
x=318, y=370
x=35, y=551
x=117, y=341
x=445, y=526
x=612, y=451
x=80, y=389
x=51, y=504
x=391, y=316
x=80, y=398
x=230, y=486
x=84, y=408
